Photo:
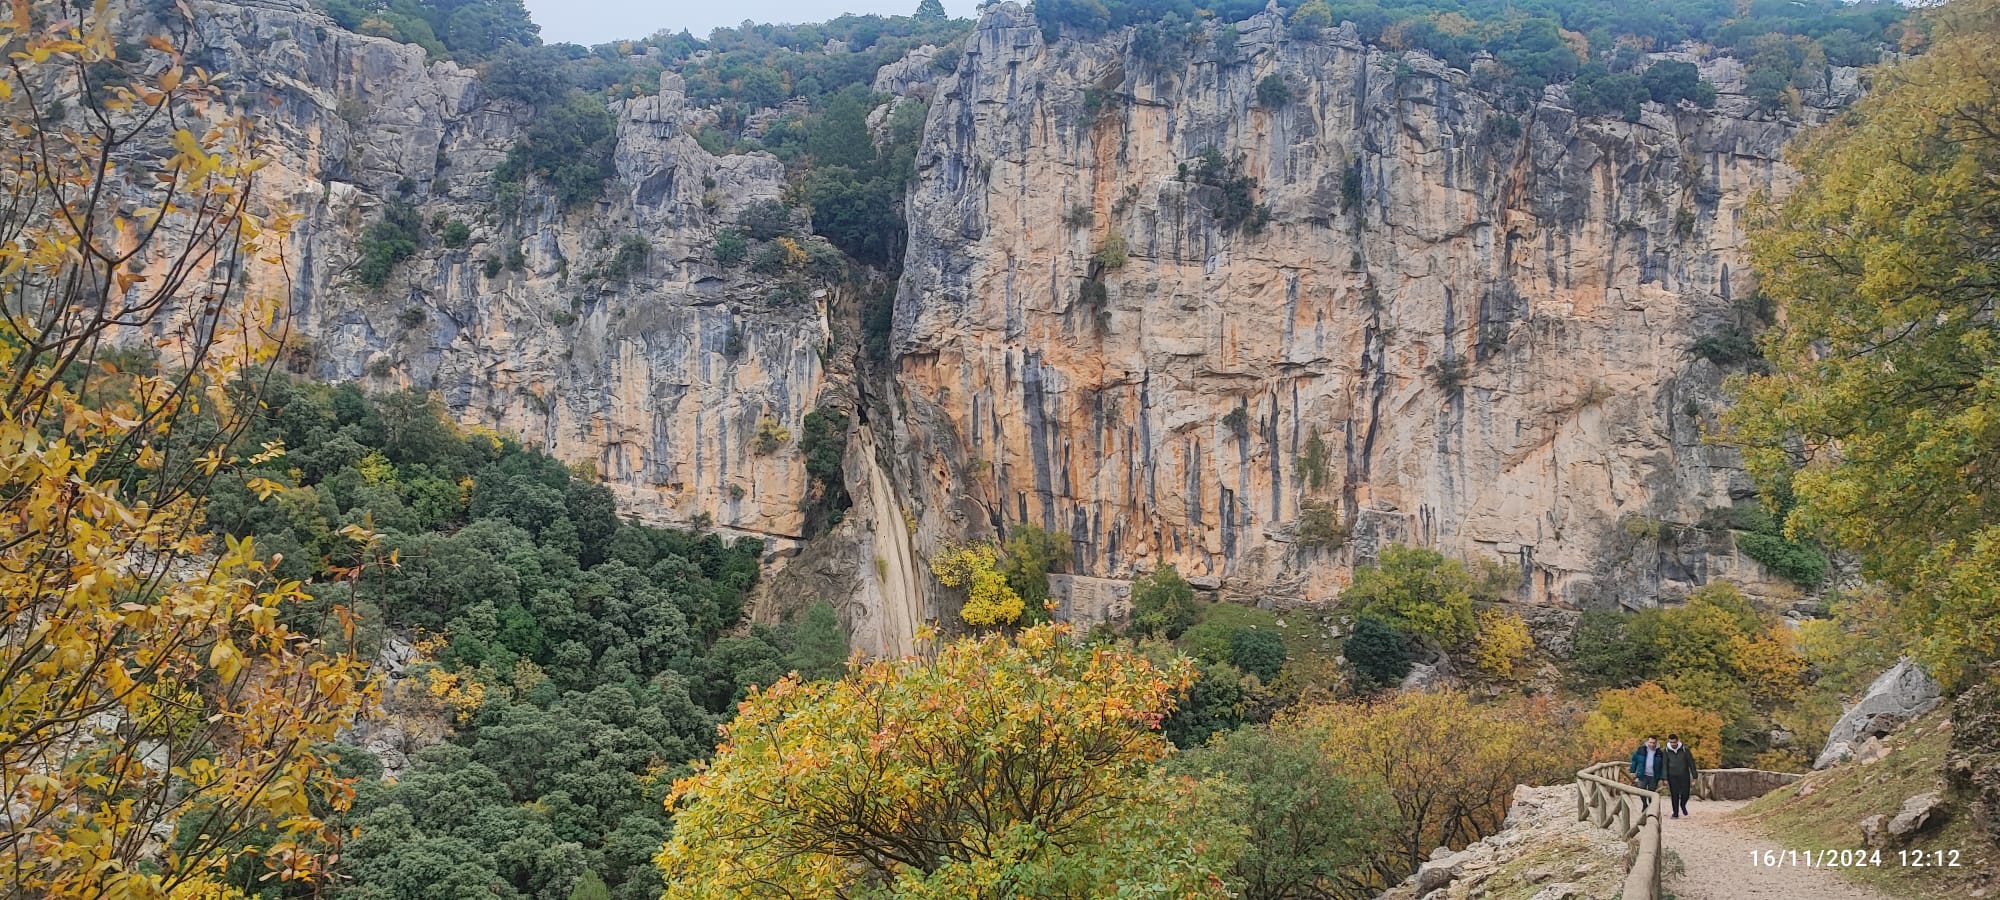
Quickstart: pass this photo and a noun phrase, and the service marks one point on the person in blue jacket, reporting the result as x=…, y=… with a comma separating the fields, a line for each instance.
x=1648, y=764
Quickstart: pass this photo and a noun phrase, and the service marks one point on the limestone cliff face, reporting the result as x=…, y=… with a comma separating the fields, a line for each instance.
x=660, y=378
x=1461, y=327
x=1465, y=324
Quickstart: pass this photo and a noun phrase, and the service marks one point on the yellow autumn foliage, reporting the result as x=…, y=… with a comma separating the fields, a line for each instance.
x=1502, y=643
x=988, y=598
x=1024, y=762
x=1770, y=665
x=150, y=676
x=458, y=691
x=1624, y=718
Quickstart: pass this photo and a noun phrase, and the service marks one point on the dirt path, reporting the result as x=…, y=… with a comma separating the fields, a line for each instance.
x=1716, y=849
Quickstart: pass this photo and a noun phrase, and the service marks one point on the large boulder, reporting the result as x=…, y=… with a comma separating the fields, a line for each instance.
x=1917, y=812
x=1972, y=764
x=1899, y=695
x=1438, y=871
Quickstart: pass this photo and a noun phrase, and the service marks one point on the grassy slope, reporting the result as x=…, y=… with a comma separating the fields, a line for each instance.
x=1830, y=818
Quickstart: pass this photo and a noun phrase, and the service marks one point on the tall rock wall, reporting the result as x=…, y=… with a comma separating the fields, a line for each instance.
x=661, y=378
x=1467, y=322
x=1462, y=327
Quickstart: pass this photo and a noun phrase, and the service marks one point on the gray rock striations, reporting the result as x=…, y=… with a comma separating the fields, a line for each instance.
x=1391, y=308
x=1461, y=326
x=660, y=376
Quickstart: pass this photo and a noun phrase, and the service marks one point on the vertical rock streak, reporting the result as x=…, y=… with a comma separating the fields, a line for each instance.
x=1485, y=319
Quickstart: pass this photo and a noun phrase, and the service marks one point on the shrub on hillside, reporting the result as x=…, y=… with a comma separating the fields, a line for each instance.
x=1419, y=591
x=1260, y=652
x=1208, y=641
x=765, y=219
x=389, y=241
x=1378, y=653
x=1027, y=557
x=1163, y=603
x=1503, y=642
x=730, y=247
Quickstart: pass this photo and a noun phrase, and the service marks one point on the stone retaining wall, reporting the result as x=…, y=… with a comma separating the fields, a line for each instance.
x=1740, y=784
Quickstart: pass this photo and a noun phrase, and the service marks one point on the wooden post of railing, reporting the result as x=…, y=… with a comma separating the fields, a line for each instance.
x=1608, y=802
x=1643, y=881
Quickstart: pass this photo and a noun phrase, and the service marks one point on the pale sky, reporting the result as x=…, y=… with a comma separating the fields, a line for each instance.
x=597, y=21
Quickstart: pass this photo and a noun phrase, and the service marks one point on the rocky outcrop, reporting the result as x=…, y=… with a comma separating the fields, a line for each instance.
x=660, y=375
x=1543, y=853
x=1882, y=831
x=1466, y=324
x=1396, y=307
x=1897, y=696
x=1972, y=764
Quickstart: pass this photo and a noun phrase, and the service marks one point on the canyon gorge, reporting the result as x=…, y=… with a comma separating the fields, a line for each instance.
x=1257, y=315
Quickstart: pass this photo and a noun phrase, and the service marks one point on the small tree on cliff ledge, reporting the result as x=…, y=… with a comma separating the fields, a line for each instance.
x=1007, y=768
x=1163, y=603
x=989, y=600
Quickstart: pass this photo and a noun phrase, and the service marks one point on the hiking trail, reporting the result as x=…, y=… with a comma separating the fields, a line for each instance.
x=1715, y=848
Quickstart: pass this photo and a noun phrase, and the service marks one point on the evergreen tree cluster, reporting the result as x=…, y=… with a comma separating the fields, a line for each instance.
x=604, y=652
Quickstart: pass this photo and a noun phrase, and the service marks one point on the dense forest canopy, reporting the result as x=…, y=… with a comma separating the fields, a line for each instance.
x=578, y=661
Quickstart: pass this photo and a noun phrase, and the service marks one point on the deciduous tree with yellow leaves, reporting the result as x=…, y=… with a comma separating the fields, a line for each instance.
x=989, y=600
x=158, y=714
x=1020, y=767
x=1448, y=765
x=1880, y=413
x=1624, y=718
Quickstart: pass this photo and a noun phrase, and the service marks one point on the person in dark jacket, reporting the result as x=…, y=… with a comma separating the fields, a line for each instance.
x=1646, y=764
x=1680, y=770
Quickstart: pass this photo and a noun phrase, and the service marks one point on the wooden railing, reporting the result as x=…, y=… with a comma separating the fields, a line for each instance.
x=1606, y=801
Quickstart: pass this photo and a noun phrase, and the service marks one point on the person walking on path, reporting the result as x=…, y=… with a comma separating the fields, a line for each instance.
x=1646, y=762
x=1677, y=763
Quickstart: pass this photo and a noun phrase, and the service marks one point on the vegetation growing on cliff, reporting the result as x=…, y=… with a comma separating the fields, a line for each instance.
x=567, y=146
x=463, y=29
x=387, y=242
x=759, y=66
x=823, y=443
x=1596, y=44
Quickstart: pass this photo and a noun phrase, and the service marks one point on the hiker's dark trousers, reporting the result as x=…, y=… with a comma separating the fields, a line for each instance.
x=1649, y=785
x=1680, y=788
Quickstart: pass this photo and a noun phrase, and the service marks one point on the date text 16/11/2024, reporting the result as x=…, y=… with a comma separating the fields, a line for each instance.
x=1835, y=859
